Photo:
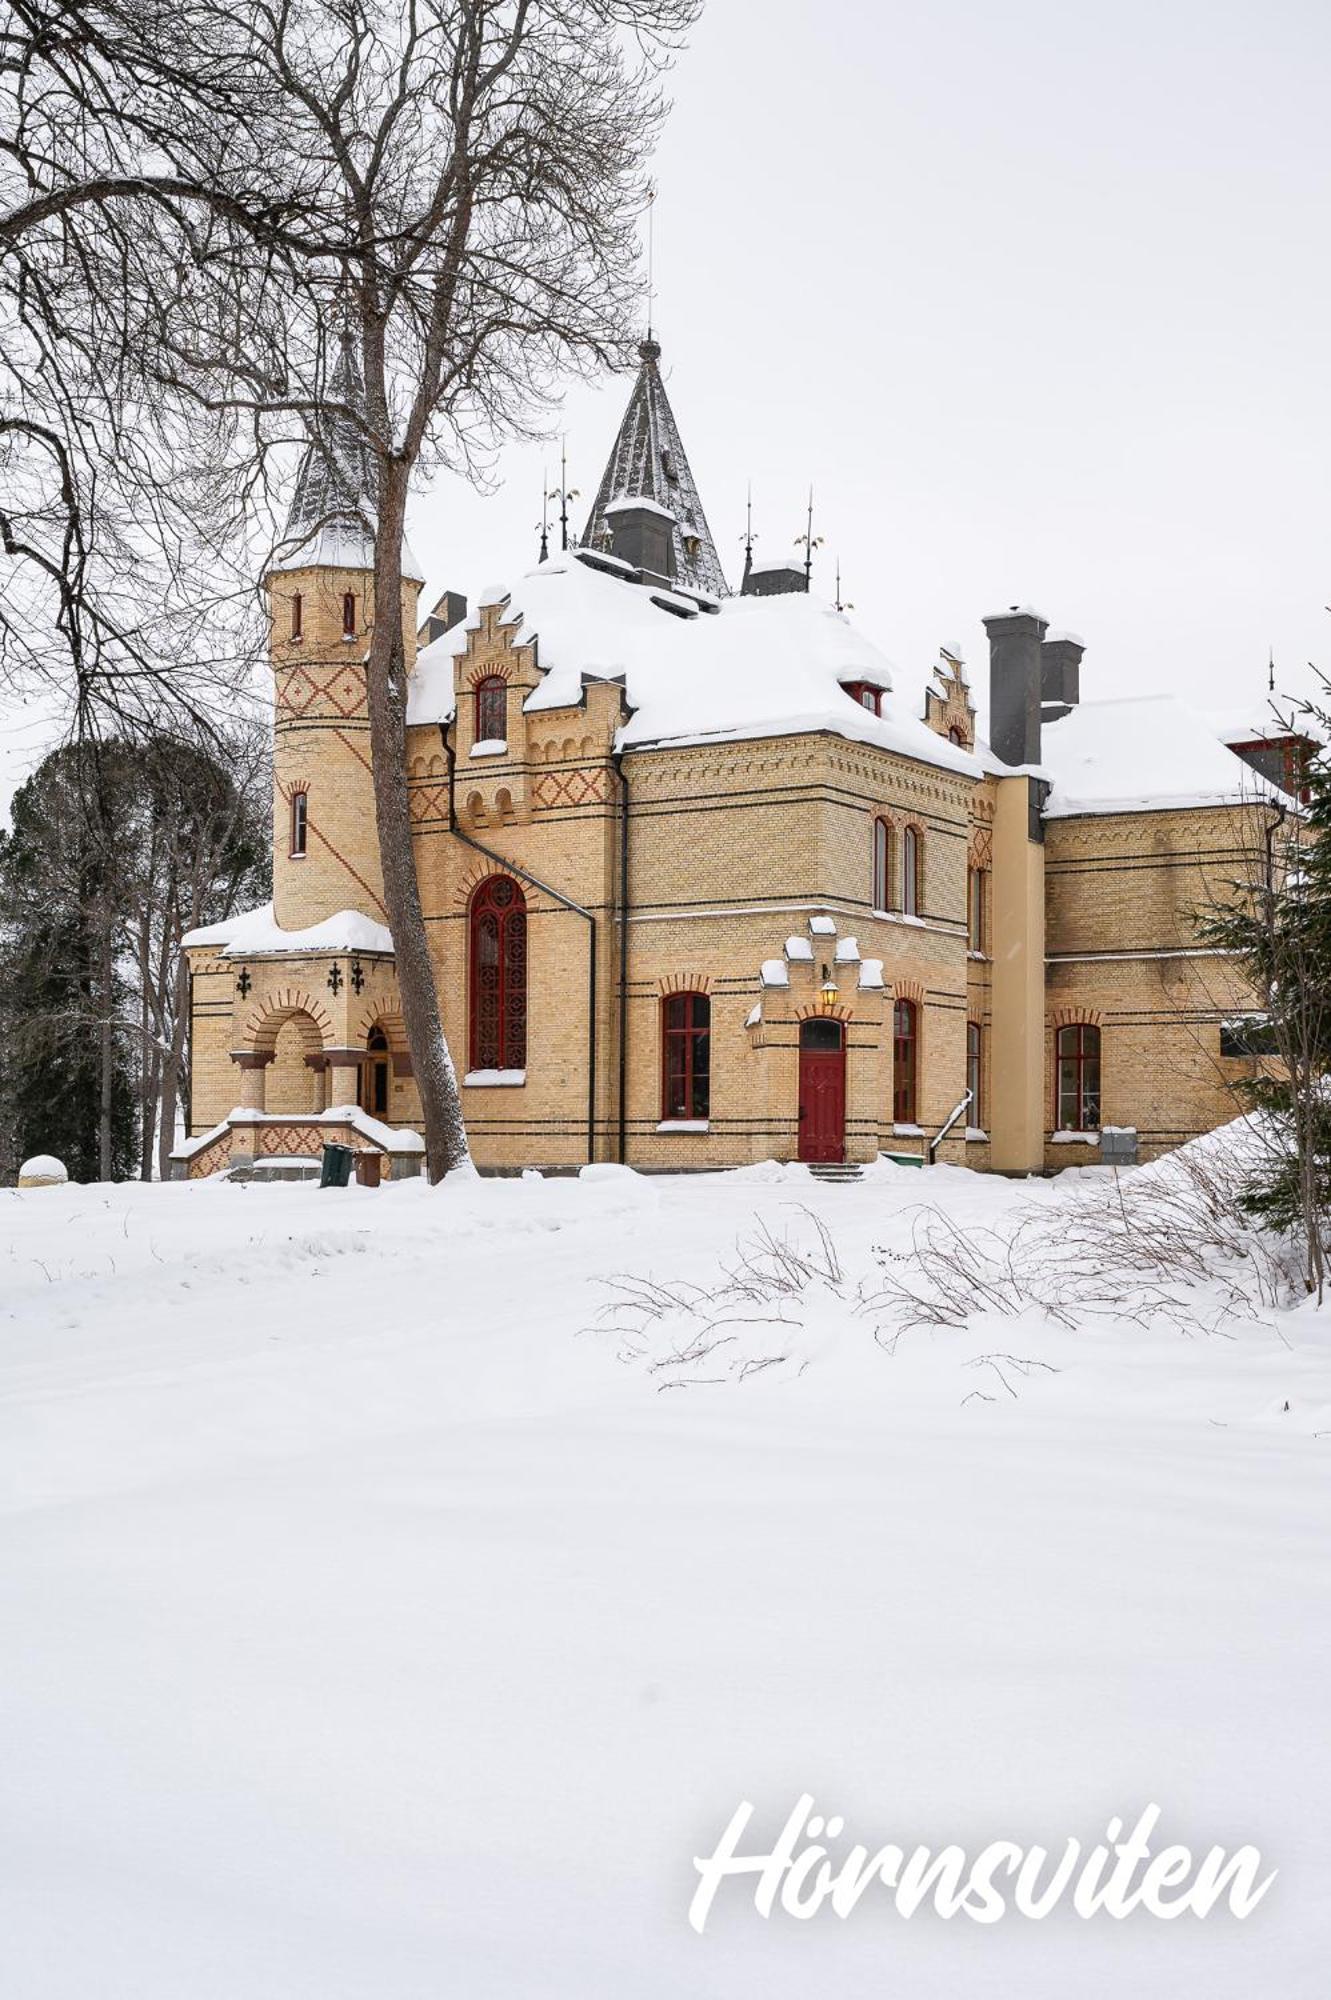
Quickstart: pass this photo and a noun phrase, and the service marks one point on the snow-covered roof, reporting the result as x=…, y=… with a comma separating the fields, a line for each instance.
x=256, y=934
x=1144, y=753
x=1258, y=724
x=757, y=666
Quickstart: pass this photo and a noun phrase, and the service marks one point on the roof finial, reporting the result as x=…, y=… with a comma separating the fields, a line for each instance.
x=748, y=534
x=563, y=493
x=808, y=541
x=545, y=515
x=651, y=295
x=839, y=605
x=1271, y=671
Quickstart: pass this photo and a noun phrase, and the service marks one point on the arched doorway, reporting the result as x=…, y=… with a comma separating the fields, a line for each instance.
x=376, y=1072
x=822, y=1110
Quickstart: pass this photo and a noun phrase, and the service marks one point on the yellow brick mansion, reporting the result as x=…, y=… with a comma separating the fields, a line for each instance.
x=703, y=887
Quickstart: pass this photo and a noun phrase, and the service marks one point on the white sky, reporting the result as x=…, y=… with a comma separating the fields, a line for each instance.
x=1037, y=296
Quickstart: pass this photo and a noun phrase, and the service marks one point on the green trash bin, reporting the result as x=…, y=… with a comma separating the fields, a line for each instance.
x=336, y=1167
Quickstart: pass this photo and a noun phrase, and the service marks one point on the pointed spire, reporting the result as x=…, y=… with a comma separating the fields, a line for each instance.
x=748, y=541
x=333, y=506
x=545, y=516
x=647, y=462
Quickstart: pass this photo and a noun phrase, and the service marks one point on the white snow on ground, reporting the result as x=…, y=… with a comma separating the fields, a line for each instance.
x=368, y=1628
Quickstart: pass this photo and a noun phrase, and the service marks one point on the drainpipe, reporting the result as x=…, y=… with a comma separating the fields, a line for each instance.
x=535, y=882
x=946, y=1127
x=617, y=759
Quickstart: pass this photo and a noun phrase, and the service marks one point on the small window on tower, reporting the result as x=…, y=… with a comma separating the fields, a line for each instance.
x=491, y=710
x=297, y=616
x=299, y=818
x=349, y=614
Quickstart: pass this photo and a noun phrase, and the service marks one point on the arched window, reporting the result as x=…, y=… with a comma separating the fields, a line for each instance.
x=375, y=1074
x=499, y=975
x=905, y=1054
x=957, y=735
x=300, y=807
x=910, y=871
x=297, y=615
x=1077, y=1107
x=348, y=614
x=975, y=925
x=974, y=1073
x=686, y=1025
x=491, y=710
x=882, y=864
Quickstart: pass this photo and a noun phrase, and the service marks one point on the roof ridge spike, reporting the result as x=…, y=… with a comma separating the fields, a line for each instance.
x=648, y=462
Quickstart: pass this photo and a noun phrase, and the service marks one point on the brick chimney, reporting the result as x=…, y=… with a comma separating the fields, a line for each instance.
x=1016, y=683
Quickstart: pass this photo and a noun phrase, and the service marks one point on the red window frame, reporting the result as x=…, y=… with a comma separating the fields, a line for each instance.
x=492, y=709
x=297, y=616
x=498, y=927
x=348, y=614
x=911, y=849
x=300, y=821
x=686, y=1051
x=1077, y=1078
x=975, y=1073
x=905, y=1061
x=868, y=696
x=882, y=865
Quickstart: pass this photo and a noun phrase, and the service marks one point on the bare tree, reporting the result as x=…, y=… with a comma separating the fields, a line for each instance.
x=453, y=184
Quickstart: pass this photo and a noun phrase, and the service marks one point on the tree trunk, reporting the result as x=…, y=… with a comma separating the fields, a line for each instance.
x=171, y=1070
x=386, y=678
x=104, y=1160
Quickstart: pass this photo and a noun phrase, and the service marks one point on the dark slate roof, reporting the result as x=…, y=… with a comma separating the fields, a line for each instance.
x=333, y=508
x=648, y=462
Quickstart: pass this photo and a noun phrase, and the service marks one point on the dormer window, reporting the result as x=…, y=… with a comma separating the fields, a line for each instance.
x=866, y=695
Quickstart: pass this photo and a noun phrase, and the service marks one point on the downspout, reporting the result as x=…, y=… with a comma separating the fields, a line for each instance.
x=617, y=759
x=946, y=1127
x=534, y=881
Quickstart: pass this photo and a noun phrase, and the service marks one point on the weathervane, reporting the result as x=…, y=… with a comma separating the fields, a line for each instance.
x=839, y=605
x=651, y=294
x=545, y=515
x=748, y=537
x=808, y=541
x=563, y=493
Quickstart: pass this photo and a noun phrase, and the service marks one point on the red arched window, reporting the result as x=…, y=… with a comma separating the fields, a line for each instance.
x=348, y=614
x=686, y=1024
x=297, y=615
x=300, y=810
x=974, y=1067
x=499, y=975
x=491, y=710
x=905, y=1052
x=374, y=1075
x=1077, y=1083
x=910, y=871
x=882, y=864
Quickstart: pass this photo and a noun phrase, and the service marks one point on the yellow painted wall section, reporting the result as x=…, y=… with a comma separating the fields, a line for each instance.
x=1016, y=1128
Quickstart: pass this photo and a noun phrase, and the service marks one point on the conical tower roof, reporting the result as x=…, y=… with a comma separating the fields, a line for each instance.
x=648, y=462
x=333, y=508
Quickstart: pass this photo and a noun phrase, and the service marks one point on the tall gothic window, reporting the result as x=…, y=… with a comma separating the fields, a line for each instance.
x=975, y=909
x=348, y=614
x=491, y=710
x=300, y=806
x=686, y=1021
x=882, y=864
x=974, y=1065
x=905, y=1055
x=910, y=871
x=297, y=615
x=1078, y=1078
x=498, y=975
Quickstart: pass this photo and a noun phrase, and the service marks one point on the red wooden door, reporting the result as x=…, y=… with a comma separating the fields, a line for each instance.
x=822, y=1090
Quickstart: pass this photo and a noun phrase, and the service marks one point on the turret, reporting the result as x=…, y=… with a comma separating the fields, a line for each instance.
x=322, y=612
